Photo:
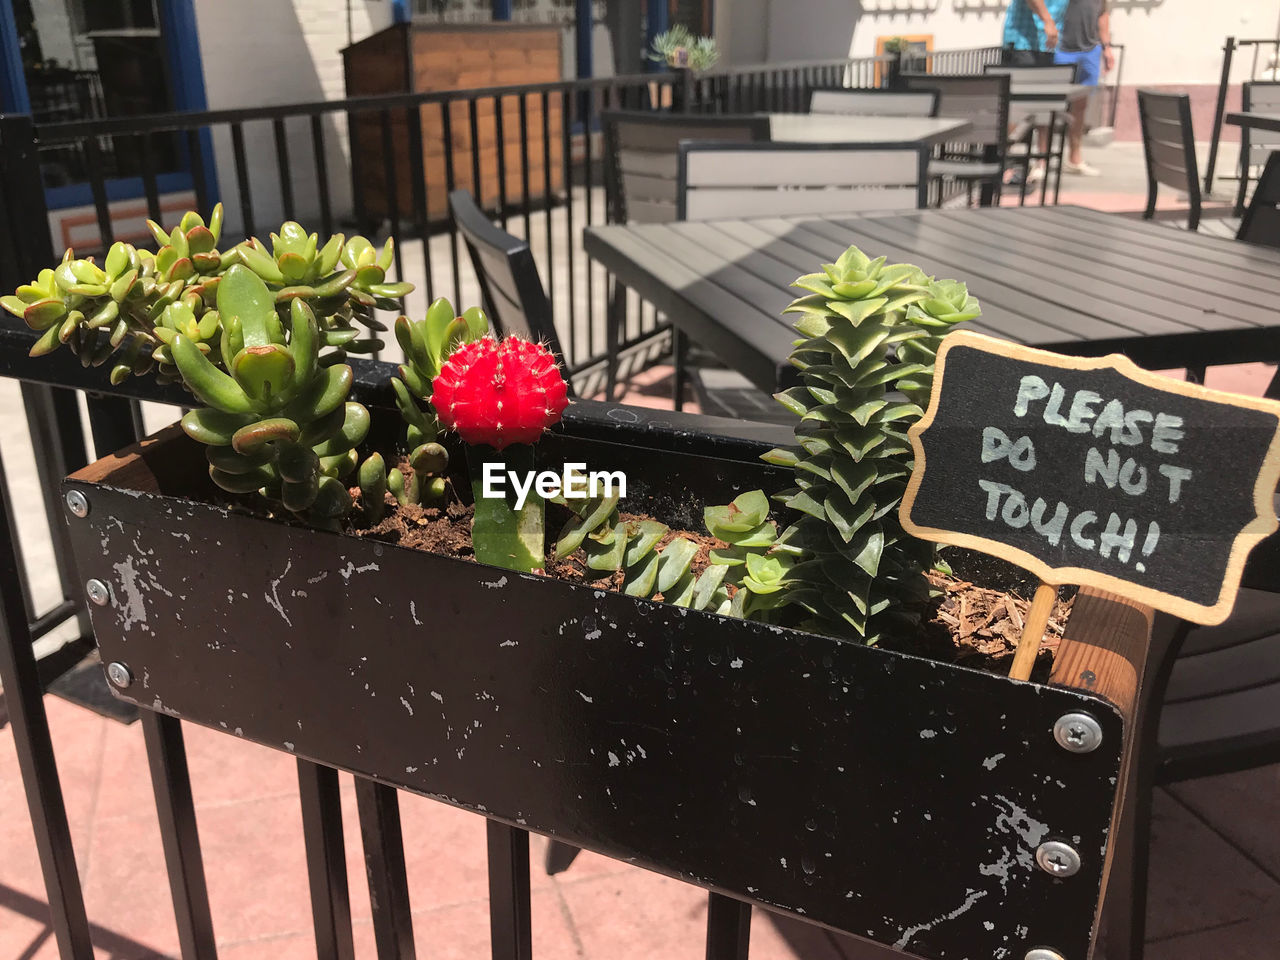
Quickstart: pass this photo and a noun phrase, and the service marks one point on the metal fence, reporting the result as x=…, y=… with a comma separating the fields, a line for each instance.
x=302, y=141
x=531, y=154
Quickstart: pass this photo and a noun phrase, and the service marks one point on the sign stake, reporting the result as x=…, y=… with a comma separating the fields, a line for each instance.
x=1024, y=658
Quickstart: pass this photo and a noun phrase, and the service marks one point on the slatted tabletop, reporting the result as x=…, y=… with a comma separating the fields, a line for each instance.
x=1064, y=278
x=842, y=128
x=1255, y=121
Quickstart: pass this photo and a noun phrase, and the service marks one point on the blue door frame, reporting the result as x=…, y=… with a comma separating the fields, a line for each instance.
x=179, y=30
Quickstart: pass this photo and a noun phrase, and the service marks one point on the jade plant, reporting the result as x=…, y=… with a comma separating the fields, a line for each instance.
x=256, y=334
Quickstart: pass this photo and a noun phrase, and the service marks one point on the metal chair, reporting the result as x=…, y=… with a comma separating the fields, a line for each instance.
x=640, y=157
x=1210, y=705
x=722, y=180
x=640, y=187
x=1256, y=146
x=508, y=276
x=1057, y=121
x=874, y=103
x=1261, y=222
x=981, y=157
x=718, y=180
x=1168, y=142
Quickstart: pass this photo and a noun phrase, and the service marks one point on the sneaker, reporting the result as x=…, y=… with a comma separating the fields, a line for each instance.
x=1036, y=174
x=1081, y=169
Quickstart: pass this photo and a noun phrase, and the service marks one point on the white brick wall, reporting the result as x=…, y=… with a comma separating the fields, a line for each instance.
x=264, y=52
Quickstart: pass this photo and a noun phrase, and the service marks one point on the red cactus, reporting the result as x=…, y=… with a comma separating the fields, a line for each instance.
x=500, y=392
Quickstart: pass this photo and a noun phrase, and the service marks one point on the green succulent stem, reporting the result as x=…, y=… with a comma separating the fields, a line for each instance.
x=502, y=534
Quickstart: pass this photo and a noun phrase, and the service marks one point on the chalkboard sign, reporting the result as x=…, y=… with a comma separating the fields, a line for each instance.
x=1093, y=471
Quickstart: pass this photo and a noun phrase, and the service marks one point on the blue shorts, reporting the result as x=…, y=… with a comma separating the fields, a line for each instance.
x=1089, y=71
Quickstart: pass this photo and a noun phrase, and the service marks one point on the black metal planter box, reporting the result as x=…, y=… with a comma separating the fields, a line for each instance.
x=883, y=795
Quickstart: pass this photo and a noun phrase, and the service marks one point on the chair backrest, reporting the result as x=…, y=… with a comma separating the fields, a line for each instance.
x=640, y=157
x=1057, y=73
x=874, y=103
x=1261, y=96
x=1261, y=221
x=508, y=276
x=720, y=180
x=981, y=99
x=1169, y=145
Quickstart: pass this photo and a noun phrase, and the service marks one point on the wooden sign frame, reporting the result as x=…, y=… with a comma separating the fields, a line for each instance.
x=1264, y=523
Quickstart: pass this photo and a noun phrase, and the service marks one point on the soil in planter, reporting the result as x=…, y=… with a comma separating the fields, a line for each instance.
x=966, y=624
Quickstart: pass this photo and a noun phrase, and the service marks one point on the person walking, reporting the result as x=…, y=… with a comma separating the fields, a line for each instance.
x=1031, y=31
x=1084, y=39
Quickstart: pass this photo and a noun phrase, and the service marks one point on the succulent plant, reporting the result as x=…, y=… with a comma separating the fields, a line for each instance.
x=870, y=335
x=501, y=396
x=277, y=420
x=680, y=47
x=611, y=544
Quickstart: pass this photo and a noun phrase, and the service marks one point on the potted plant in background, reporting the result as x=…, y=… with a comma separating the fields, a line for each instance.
x=717, y=595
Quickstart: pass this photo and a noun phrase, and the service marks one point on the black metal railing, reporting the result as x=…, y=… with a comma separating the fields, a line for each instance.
x=386, y=164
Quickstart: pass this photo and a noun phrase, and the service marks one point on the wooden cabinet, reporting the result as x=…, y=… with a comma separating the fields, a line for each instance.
x=430, y=57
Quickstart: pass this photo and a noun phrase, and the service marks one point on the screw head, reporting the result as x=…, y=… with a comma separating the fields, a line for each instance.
x=119, y=674
x=77, y=503
x=98, y=592
x=1058, y=859
x=1043, y=953
x=1078, y=733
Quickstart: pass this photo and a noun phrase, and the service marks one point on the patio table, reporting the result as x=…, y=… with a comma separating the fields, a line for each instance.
x=848, y=128
x=1255, y=121
x=1069, y=279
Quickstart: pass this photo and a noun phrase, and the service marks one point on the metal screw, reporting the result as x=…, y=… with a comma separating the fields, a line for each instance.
x=77, y=503
x=119, y=674
x=1078, y=733
x=1058, y=859
x=1043, y=953
x=98, y=592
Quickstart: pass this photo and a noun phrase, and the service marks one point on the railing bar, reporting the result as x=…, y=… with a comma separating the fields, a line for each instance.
x=421, y=207
x=98, y=188
x=524, y=169
x=589, y=103
x=566, y=146
x=379, y=810
x=510, y=923
x=450, y=184
x=11, y=533
x=354, y=129
x=473, y=118
x=53, y=422
x=322, y=174
x=728, y=928
x=242, y=180
x=195, y=152
x=150, y=188
x=499, y=135
x=548, y=204
x=38, y=771
x=171, y=784
x=282, y=166
x=321, y=803
x=391, y=193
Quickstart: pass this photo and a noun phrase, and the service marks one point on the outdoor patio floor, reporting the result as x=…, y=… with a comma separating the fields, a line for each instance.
x=1215, y=867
